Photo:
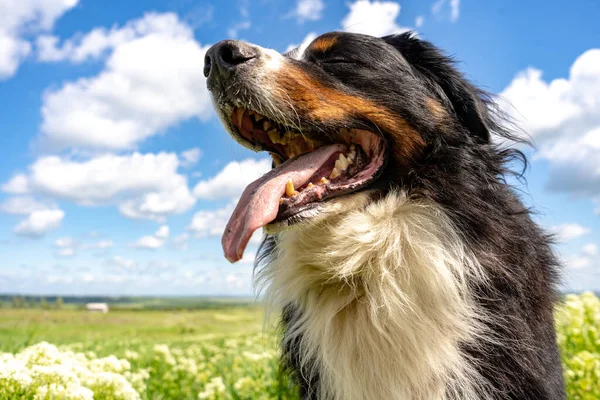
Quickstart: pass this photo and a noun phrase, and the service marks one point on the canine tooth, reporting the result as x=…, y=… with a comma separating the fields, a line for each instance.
x=310, y=184
x=289, y=188
x=324, y=181
x=343, y=161
x=239, y=114
x=273, y=135
x=266, y=125
x=335, y=173
x=352, y=155
x=258, y=117
x=281, y=200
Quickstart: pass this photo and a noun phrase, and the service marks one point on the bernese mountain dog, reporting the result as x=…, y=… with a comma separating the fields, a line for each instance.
x=402, y=262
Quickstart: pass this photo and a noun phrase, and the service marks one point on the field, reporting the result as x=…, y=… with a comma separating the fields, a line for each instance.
x=154, y=349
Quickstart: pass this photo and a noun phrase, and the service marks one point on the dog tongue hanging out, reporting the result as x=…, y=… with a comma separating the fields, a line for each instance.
x=296, y=186
x=403, y=265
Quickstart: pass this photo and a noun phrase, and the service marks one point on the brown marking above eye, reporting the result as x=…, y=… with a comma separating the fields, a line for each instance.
x=319, y=102
x=324, y=43
x=435, y=108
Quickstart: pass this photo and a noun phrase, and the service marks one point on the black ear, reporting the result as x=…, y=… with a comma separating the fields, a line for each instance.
x=468, y=103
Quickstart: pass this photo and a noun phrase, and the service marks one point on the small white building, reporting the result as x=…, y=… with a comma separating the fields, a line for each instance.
x=97, y=307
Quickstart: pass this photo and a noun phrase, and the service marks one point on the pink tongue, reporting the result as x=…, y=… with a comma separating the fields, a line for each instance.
x=259, y=203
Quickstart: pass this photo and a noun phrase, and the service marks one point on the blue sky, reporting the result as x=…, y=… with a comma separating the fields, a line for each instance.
x=117, y=178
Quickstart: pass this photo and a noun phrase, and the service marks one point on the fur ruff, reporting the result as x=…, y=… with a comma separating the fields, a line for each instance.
x=386, y=299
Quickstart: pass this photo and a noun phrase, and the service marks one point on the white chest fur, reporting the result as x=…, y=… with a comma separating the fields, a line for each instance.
x=385, y=293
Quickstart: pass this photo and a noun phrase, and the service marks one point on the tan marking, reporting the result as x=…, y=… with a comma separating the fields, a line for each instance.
x=435, y=108
x=321, y=103
x=324, y=43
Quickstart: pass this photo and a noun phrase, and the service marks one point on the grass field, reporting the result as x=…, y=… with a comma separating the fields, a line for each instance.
x=219, y=352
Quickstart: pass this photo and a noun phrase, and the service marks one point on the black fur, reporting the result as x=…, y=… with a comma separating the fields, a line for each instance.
x=462, y=170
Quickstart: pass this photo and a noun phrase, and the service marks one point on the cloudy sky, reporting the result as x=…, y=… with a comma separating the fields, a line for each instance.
x=117, y=178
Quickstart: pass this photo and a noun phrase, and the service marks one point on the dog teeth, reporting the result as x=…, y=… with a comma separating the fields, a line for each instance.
x=341, y=163
x=266, y=125
x=352, y=154
x=289, y=189
x=310, y=185
x=335, y=173
x=239, y=114
x=281, y=200
x=273, y=135
x=324, y=181
x=258, y=117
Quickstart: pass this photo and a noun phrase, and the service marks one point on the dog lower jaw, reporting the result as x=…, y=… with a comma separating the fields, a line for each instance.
x=384, y=304
x=319, y=212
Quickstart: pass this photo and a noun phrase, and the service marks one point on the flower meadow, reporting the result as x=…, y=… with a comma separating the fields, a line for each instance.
x=242, y=367
x=230, y=365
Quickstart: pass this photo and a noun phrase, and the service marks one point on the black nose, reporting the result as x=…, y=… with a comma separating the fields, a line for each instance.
x=224, y=57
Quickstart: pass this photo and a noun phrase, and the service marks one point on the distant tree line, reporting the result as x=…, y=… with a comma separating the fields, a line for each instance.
x=39, y=302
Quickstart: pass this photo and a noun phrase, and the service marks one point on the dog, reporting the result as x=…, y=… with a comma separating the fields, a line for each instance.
x=402, y=262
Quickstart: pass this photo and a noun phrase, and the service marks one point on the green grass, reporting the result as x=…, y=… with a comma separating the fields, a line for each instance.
x=217, y=350
x=22, y=327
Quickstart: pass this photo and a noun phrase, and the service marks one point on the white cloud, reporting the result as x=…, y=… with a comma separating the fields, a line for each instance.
x=20, y=19
x=563, y=118
x=234, y=31
x=66, y=252
x=419, y=21
x=162, y=232
x=567, y=232
x=190, y=157
x=231, y=181
x=180, y=242
x=302, y=46
x=148, y=242
x=375, y=18
x=309, y=10
x=577, y=262
x=22, y=205
x=243, y=24
x=157, y=206
x=65, y=242
x=121, y=262
x=590, y=249
x=96, y=43
x=103, y=244
x=588, y=256
x=17, y=185
x=446, y=7
x=67, y=246
x=234, y=281
x=155, y=241
x=211, y=223
x=145, y=186
x=248, y=258
x=40, y=222
x=151, y=81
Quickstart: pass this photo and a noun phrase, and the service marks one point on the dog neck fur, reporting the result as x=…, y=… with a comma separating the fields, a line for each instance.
x=385, y=298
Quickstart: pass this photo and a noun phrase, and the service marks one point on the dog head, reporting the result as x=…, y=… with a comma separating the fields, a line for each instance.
x=346, y=119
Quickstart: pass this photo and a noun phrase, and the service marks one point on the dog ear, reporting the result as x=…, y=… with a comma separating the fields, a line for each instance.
x=468, y=103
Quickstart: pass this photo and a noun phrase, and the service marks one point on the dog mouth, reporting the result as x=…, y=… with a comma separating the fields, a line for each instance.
x=310, y=167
